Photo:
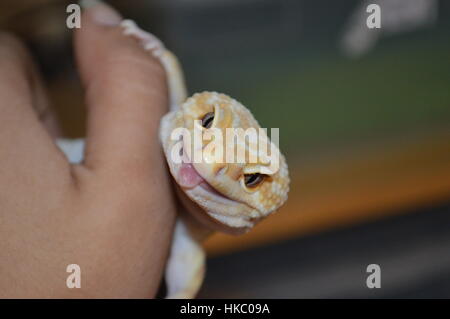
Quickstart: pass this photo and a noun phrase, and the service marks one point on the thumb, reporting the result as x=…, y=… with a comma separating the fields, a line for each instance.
x=126, y=92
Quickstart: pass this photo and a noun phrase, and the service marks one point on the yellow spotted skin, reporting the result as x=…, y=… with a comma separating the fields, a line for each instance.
x=224, y=202
x=251, y=204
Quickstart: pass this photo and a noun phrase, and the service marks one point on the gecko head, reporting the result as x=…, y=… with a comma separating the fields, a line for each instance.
x=228, y=166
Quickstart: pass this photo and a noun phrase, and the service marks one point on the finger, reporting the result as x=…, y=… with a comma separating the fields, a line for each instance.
x=17, y=60
x=22, y=102
x=41, y=104
x=126, y=93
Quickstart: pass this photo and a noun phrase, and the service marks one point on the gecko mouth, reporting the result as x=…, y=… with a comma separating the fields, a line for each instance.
x=230, y=212
x=189, y=178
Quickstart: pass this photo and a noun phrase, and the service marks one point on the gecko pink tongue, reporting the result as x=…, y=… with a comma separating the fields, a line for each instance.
x=188, y=176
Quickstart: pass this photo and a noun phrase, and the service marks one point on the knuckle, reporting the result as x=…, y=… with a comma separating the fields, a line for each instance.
x=130, y=53
x=128, y=74
x=136, y=68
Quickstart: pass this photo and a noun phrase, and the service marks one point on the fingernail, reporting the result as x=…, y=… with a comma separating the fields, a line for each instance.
x=101, y=13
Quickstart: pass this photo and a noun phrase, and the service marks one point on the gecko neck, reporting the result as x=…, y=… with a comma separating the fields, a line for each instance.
x=200, y=221
x=197, y=230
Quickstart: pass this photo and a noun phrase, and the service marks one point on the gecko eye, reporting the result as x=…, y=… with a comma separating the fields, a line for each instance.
x=208, y=119
x=253, y=180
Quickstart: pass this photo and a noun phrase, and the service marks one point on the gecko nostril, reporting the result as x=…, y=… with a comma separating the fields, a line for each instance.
x=221, y=170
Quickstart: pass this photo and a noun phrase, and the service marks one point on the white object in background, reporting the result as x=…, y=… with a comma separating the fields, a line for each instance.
x=397, y=16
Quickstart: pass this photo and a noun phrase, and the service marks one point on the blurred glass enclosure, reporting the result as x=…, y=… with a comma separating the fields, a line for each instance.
x=364, y=114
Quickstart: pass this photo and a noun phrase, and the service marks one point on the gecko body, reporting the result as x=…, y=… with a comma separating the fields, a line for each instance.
x=221, y=196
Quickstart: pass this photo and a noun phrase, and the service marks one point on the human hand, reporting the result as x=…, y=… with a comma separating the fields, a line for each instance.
x=113, y=214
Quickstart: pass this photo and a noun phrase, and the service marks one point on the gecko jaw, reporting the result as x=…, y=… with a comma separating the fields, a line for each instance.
x=189, y=178
x=206, y=186
x=187, y=168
